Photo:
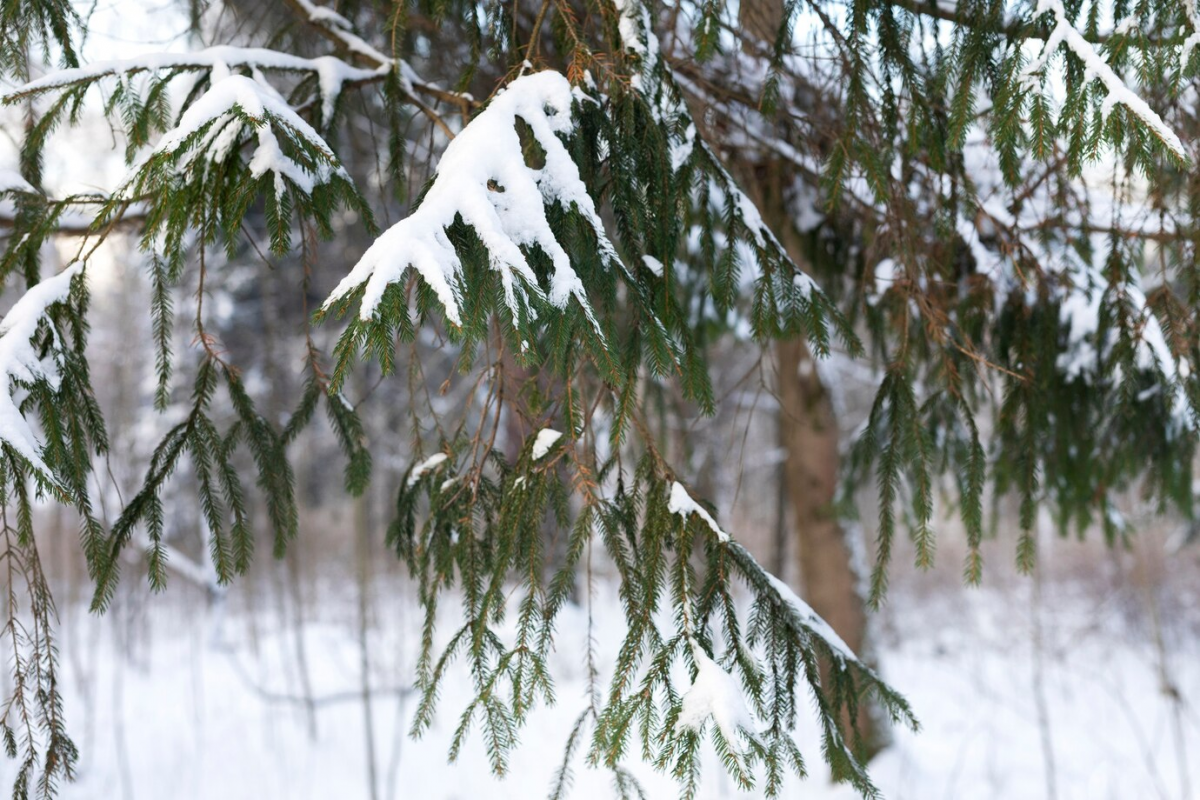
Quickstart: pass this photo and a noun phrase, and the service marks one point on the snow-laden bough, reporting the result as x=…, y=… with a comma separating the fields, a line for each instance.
x=20, y=362
x=222, y=113
x=483, y=180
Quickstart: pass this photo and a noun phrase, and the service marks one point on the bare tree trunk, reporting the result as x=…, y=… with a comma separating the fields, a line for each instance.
x=825, y=555
x=808, y=432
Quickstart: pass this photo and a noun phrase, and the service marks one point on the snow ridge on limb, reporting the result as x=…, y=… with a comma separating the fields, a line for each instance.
x=682, y=504
x=716, y=693
x=222, y=113
x=1189, y=44
x=484, y=181
x=664, y=97
x=21, y=364
x=332, y=73
x=339, y=29
x=203, y=154
x=1118, y=91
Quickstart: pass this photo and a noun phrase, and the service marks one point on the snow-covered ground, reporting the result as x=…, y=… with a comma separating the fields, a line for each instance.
x=168, y=699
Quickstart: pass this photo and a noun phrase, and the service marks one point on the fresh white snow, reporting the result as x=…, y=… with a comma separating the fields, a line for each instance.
x=714, y=693
x=1189, y=44
x=341, y=27
x=13, y=181
x=428, y=465
x=332, y=72
x=812, y=619
x=545, y=440
x=681, y=503
x=653, y=264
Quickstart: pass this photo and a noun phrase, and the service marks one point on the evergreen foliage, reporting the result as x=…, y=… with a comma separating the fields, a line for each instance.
x=584, y=227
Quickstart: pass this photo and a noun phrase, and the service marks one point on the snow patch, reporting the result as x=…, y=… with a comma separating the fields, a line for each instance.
x=681, y=503
x=886, y=273
x=545, y=440
x=714, y=693
x=1189, y=44
x=1097, y=68
x=813, y=620
x=428, y=465
x=13, y=181
x=19, y=361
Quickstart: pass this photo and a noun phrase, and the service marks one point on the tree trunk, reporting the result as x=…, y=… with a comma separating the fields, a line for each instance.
x=808, y=432
x=825, y=555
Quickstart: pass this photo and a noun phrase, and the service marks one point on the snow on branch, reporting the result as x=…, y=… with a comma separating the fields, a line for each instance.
x=811, y=619
x=1193, y=39
x=1083, y=299
x=426, y=466
x=803, y=617
x=662, y=89
x=20, y=362
x=714, y=693
x=484, y=181
x=546, y=439
x=339, y=29
x=637, y=35
x=813, y=635
x=682, y=504
x=1096, y=67
x=230, y=104
x=332, y=73
x=667, y=103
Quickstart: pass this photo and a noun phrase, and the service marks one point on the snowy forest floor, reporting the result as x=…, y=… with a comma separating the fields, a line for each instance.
x=172, y=698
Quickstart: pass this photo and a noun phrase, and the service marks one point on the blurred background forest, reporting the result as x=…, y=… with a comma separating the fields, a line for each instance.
x=1080, y=681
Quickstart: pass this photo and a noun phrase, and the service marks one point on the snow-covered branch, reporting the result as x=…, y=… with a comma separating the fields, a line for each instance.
x=806, y=622
x=1193, y=39
x=1096, y=67
x=484, y=181
x=20, y=362
x=332, y=73
x=339, y=30
x=222, y=113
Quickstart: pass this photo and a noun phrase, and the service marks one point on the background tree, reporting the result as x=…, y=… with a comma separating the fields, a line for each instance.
x=580, y=226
